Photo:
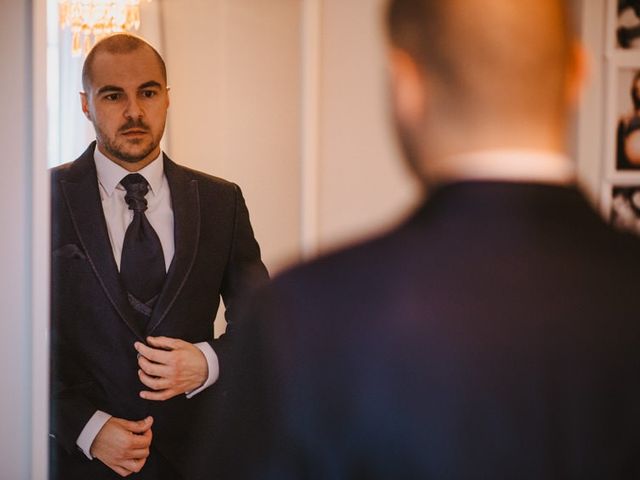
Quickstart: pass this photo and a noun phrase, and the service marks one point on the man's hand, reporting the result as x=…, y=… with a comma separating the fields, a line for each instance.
x=123, y=445
x=170, y=367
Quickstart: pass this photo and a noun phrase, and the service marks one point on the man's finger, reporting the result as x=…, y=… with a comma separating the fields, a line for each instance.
x=139, y=426
x=159, y=395
x=134, y=464
x=153, y=354
x=133, y=443
x=151, y=368
x=138, y=453
x=166, y=343
x=154, y=383
x=138, y=442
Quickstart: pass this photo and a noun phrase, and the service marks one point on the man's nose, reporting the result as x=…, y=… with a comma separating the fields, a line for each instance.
x=134, y=109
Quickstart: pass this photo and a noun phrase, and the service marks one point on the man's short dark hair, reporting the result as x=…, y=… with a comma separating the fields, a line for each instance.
x=119, y=43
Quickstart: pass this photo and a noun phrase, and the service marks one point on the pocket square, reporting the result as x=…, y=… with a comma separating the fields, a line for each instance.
x=70, y=250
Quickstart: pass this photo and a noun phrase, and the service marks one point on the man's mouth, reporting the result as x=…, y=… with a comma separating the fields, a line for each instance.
x=133, y=132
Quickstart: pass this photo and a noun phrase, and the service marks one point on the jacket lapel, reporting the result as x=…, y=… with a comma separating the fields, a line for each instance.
x=80, y=188
x=186, y=214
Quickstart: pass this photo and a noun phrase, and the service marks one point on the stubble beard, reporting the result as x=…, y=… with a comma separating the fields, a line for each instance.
x=118, y=149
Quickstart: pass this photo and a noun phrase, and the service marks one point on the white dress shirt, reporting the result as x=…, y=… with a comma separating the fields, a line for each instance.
x=118, y=216
x=117, y=213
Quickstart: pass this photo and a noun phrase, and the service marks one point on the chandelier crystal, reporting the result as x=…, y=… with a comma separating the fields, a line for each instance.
x=92, y=20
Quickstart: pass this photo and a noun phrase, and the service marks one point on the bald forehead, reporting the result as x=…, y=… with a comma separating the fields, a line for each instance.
x=116, y=49
x=124, y=72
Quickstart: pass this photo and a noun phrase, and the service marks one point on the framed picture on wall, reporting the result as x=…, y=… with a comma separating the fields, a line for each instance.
x=621, y=206
x=626, y=104
x=620, y=173
x=622, y=128
x=627, y=25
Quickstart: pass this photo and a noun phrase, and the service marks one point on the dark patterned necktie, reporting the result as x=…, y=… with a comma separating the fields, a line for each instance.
x=142, y=266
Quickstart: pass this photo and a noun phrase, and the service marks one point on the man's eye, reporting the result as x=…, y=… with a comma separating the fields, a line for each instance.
x=148, y=93
x=112, y=97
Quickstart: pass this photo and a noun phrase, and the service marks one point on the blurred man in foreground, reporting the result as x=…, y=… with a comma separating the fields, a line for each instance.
x=495, y=334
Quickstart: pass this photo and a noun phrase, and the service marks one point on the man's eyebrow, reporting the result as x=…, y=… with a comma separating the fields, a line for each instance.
x=110, y=88
x=151, y=83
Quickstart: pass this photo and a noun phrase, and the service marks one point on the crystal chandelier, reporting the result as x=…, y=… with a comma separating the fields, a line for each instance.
x=92, y=20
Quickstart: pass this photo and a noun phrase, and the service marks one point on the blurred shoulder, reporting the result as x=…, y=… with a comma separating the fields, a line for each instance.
x=349, y=267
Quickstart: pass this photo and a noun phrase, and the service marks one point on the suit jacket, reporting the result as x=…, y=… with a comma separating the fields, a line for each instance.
x=495, y=334
x=93, y=327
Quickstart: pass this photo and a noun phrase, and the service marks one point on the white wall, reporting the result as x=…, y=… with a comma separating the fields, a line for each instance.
x=15, y=330
x=24, y=246
x=363, y=186
x=236, y=73
x=590, y=120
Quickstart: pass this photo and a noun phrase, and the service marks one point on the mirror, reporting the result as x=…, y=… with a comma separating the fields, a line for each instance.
x=283, y=98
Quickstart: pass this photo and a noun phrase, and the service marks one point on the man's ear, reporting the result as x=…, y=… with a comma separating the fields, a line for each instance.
x=84, y=100
x=408, y=87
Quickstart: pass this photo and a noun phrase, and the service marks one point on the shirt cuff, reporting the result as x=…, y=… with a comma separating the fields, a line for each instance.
x=212, y=363
x=90, y=432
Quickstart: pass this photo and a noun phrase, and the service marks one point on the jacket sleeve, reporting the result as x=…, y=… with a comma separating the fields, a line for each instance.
x=71, y=390
x=244, y=274
x=71, y=386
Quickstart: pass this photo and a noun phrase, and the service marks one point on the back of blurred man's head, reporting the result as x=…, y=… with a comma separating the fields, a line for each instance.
x=479, y=74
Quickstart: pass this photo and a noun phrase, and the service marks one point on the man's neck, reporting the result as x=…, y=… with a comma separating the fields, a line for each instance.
x=131, y=166
x=504, y=164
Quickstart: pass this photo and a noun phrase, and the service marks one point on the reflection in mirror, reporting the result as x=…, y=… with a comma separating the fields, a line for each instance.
x=144, y=249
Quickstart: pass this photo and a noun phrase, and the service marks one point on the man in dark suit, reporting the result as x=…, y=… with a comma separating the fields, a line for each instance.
x=142, y=251
x=495, y=333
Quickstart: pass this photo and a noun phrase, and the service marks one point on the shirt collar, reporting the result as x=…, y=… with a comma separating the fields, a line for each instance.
x=516, y=165
x=110, y=173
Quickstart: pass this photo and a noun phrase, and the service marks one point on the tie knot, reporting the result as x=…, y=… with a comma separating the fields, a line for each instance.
x=137, y=187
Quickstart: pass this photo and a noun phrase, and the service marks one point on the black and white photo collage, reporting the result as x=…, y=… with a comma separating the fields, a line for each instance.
x=621, y=172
